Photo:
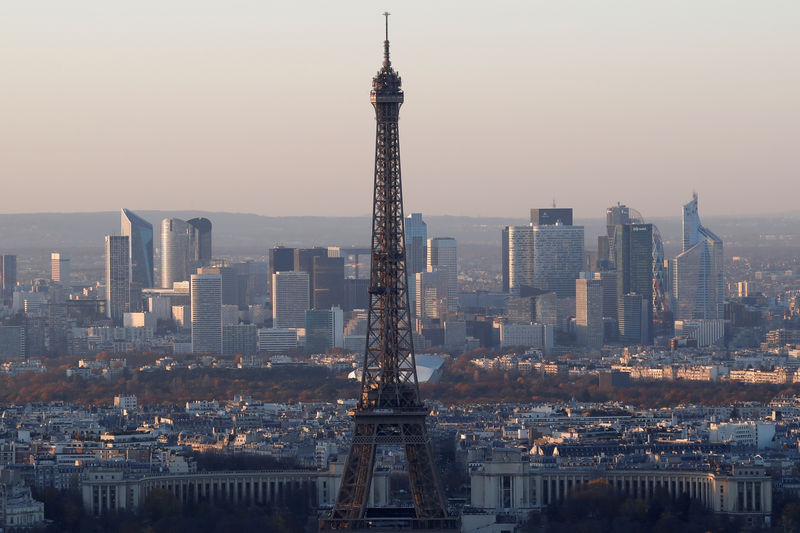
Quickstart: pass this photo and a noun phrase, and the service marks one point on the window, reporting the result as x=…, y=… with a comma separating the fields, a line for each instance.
x=506, y=492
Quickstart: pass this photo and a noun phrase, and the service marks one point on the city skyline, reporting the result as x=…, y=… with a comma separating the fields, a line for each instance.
x=623, y=94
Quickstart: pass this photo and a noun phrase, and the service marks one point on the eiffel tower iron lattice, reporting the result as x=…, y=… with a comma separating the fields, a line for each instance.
x=389, y=411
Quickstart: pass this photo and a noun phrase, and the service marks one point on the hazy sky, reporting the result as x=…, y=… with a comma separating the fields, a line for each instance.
x=263, y=106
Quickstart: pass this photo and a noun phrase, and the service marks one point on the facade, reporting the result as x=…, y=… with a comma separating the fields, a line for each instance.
x=511, y=484
x=589, y=312
x=557, y=258
x=108, y=491
x=60, y=271
x=206, y=309
x=277, y=340
x=140, y=235
x=538, y=336
x=8, y=275
x=324, y=329
x=705, y=332
x=200, y=252
x=118, y=280
x=176, y=243
x=697, y=272
x=12, y=342
x=281, y=259
x=304, y=262
x=519, y=257
x=634, y=258
x=550, y=216
x=432, y=293
x=289, y=299
x=328, y=282
x=443, y=254
x=634, y=319
x=239, y=339
x=416, y=235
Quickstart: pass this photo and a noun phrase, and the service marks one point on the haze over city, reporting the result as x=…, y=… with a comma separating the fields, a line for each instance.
x=262, y=107
x=220, y=312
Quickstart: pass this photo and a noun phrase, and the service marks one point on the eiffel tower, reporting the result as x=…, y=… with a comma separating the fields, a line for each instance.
x=389, y=411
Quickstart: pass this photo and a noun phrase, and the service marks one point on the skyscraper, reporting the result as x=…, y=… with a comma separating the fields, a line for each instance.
x=289, y=299
x=118, y=280
x=697, y=272
x=8, y=275
x=328, y=282
x=200, y=252
x=176, y=243
x=504, y=263
x=519, y=244
x=432, y=293
x=634, y=258
x=281, y=259
x=140, y=235
x=550, y=216
x=60, y=271
x=443, y=254
x=304, y=262
x=557, y=258
x=589, y=312
x=324, y=329
x=416, y=256
x=206, y=298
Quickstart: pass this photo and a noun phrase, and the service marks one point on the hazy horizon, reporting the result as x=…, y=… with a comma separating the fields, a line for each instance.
x=264, y=109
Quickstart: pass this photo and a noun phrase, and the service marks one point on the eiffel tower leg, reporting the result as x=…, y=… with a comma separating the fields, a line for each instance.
x=428, y=495
x=353, y=495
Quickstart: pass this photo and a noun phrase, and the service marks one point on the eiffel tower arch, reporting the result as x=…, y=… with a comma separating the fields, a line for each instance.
x=389, y=411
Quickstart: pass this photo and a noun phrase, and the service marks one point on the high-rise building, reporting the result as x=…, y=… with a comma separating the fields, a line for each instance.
x=8, y=275
x=118, y=277
x=140, y=234
x=443, y=254
x=589, y=312
x=328, y=282
x=697, y=272
x=635, y=318
x=608, y=279
x=289, y=299
x=230, y=286
x=60, y=271
x=557, y=258
x=176, y=245
x=634, y=259
x=519, y=245
x=239, y=339
x=356, y=294
x=416, y=236
x=281, y=259
x=504, y=263
x=324, y=329
x=206, y=298
x=550, y=216
x=200, y=247
x=616, y=215
x=304, y=262
x=432, y=293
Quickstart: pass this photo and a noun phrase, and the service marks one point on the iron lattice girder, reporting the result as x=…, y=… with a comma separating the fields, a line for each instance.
x=389, y=412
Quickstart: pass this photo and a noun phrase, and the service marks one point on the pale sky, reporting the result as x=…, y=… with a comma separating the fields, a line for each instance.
x=263, y=107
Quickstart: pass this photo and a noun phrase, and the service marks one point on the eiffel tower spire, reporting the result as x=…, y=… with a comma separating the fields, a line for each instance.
x=389, y=411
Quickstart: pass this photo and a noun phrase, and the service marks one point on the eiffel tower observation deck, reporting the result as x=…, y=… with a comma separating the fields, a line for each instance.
x=389, y=411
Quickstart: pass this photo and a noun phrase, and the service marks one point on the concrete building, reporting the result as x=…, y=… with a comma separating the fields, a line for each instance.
x=60, y=271
x=118, y=292
x=432, y=293
x=8, y=275
x=324, y=329
x=538, y=336
x=290, y=299
x=277, y=340
x=442, y=254
x=589, y=312
x=206, y=309
x=416, y=235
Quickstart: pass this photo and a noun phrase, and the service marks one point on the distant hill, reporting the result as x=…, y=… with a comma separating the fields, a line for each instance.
x=254, y=234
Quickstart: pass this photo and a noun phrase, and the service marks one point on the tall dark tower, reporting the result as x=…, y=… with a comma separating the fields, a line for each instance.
x=389, y=412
